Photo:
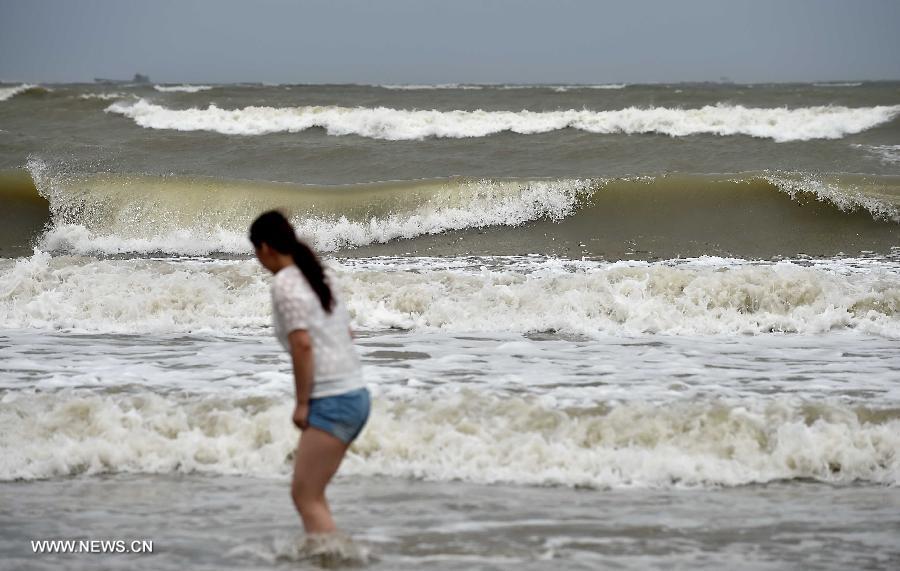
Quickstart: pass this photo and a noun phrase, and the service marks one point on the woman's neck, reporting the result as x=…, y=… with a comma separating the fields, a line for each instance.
x=281, y=261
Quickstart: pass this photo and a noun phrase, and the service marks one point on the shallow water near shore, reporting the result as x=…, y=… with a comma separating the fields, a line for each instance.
x=644, y=412
x=715, y=413
x=203, y=522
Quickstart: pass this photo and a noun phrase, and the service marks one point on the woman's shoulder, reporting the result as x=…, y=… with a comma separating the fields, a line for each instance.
x=288, y=281
x=285, y=275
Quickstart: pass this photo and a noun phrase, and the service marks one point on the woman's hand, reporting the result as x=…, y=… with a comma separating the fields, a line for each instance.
x=301, y=416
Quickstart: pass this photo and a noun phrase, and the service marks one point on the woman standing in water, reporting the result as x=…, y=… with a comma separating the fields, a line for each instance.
x=312, y=324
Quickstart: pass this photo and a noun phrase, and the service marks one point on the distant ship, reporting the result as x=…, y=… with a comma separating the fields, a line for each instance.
x=138, y=78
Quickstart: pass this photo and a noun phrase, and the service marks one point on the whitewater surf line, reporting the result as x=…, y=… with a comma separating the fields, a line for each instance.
x=460, y=435
x=519, y=295
x=779, y=124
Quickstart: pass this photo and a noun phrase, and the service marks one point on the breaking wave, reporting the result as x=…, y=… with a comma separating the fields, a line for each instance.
x=474, y=437
x=564, y=88
x=182, y=88
x=477, y=86
x=709, y=296
x=754, y=214
x=430, y=86
x=106, y=96
x=111, y=214
x=778, y=124
x=839, y=84
x=10, y=92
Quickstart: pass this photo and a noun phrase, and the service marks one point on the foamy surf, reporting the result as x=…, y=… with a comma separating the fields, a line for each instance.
x=327, y=551
x=778, y=124
x=847, y=197
x=106, y=96
x=430, y=86
x=182, y=88
x=838, y=84
x=887, y=154
x=468, y=436
x=565, y=88
x=591, y=298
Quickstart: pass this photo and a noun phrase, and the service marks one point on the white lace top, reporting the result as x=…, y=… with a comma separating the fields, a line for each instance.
x=296, y=306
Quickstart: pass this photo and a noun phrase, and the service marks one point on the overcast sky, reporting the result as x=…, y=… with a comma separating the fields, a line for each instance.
x=425, y=41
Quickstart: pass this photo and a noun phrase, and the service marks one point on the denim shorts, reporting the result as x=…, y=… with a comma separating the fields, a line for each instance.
x=343, y=416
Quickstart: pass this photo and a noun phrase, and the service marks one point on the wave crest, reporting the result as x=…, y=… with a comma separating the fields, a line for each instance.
x=110, y=214
x=106, y=96
x=114, y=214
x=10, y=92
x=473, y=437
x=182, y=88
x=778, y=124
x=584, y=298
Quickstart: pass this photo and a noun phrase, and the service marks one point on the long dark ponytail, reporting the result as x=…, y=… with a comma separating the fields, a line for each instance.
x=273, y=228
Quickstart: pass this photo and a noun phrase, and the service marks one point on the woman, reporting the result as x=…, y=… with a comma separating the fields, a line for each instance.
x=313, y=325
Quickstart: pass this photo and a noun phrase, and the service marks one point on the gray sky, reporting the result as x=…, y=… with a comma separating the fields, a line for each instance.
x=426, y=41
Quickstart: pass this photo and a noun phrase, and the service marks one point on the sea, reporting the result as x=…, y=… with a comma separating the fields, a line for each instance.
x=605, y=326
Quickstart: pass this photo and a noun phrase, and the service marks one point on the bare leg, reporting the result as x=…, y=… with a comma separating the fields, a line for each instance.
x=318, y=457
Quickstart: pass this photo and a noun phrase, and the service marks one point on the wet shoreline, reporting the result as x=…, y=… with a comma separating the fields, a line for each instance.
x=203, y=522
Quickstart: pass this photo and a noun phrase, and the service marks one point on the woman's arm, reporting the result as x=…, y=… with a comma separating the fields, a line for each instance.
x=302, y=358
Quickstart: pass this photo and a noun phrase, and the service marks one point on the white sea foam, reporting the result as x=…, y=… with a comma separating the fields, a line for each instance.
x=106, y=96
x=591, y=298
x=568, y=370
x=197, y=241
x=465, y=435
x=631, y=299
x=182, y=88
x=561, y=88
x=887, y=154
x=778, y=124
x=490, y=204
x=131, y=296
x=839, y=84
x=565, y=88
x=9, y=92
x=430, y=86
x=847, y=197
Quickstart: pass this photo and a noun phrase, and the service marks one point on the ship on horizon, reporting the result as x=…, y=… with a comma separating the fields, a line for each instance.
x=138, y=78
